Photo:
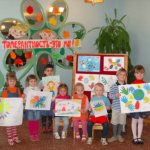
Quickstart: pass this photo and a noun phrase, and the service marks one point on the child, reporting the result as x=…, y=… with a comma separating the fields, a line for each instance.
x=99, y=90
x=62, y=94
x=138, y=117
x=79, y=89
x=11, y=91
x=32, y=115
x=48, y=71
x=118, y=119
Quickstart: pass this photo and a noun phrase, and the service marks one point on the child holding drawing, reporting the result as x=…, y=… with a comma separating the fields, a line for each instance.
x=99, y=90
x=33, y=116
x=118, y=119
x=79, y=94
x=62, y=94
x=10, y=92
x=48, y=71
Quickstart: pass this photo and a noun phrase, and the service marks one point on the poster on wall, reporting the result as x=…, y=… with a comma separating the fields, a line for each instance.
x=98, y=108
x=67, y=107
x=37, y=100
x=11, y=111
x=107, y=81
x=135, y=97
x=89, y=64
x=88, y=80
x=112, y=63
x=51, y=84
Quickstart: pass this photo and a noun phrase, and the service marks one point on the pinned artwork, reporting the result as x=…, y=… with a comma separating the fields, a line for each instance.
x=88, y=80
x=88, y=64
x=108, y=81
x=112, y=63
x=67, y=107
x=98, y=108
x=11, y=111
x=37, y=100
x=135, y=97
x=51, y=84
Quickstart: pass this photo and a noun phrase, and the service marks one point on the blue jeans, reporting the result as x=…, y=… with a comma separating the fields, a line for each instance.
x=65, y=122
x=33, y=114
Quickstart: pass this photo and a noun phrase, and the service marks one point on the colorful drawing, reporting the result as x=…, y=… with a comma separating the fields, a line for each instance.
x=135, y=97
x=88, y=80
x=98, y=108
x=11, y=111
x=51, y=84
x=108, y=81
x=88, y=64
x=68, y=107
x=37, y=100
x=113, y=63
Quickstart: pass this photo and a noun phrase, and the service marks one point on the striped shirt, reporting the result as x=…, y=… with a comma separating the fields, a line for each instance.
x=112, y=95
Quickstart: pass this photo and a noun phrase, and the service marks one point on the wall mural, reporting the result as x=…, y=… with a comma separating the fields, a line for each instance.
x=38, y=25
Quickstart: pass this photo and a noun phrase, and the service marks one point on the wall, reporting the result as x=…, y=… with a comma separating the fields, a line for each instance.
x=138, y=25
x=86, y=14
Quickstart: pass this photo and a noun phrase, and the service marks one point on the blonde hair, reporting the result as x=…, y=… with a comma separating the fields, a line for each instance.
x=78, y=84
x=138, y=68
x=30, y=77
x=121, y=70
x=64, y=86
x=99, y=85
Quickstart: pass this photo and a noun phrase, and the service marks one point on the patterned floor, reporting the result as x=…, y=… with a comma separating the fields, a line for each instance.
x=47, y=141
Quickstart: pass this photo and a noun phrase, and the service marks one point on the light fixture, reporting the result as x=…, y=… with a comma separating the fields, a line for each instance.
x=56, y=10
x=93, y=1
x=2, y=27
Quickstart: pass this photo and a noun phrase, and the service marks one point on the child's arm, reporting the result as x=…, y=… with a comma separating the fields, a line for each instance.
x=86, y=105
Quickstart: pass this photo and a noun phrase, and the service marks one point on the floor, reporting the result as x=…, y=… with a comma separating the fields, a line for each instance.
x=47, y=141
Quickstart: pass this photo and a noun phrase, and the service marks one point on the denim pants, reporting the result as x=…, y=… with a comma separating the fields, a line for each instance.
x=65, y=122
x=104, y=131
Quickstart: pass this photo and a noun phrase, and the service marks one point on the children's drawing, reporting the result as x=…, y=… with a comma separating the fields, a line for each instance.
x=88, y=80
x=88, y=64
x=51, y=84
x=37, y=100
x=98, y=108
x=11, y=111
x=68, y=107
x=135, y=97
x=108, y=81
x=113, y=63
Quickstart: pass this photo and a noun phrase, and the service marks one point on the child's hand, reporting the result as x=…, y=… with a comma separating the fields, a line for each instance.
x=90, y=108
x=24, y=98
x=118, y=95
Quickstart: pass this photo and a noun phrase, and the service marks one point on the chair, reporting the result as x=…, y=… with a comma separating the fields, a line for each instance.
x=96, y=126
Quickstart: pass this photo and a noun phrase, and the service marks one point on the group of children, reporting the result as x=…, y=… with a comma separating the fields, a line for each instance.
x=87, y=118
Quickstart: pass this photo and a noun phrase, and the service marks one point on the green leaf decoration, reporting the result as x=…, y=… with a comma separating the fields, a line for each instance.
x=61, y=18
x=31, y=21
x=56, y=56
x=79, y=34
x=19, y=52
x=62, y=51
x=124, y=91
x=104, y=81
x=1, y=79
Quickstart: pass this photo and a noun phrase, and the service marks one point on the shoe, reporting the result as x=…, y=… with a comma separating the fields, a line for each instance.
x=140, y=141
x=17, y=140
x=89, y=141
x=57, y=137
x=112, y=139
x=44, y=130
x=10, y=142
x=50, y=129
x=63, y=135
x=77, y=136
x=103, y=141
x=120, y=139
x=135, y=141
x=83, y=138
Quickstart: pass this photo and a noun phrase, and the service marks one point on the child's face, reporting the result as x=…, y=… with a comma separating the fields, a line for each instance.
x=139, y=75
x=32, y=82
x=79, y=90
x=11, y=82
x=122, y=77
x=62, y=92
x=99, y=90
x=49, y=72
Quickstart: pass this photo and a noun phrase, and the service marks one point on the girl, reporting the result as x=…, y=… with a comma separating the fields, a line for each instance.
x=79, y=89
x=62, y=94
x=32, y=115
x=11, y=91
x=48, y=71
x=99, y=90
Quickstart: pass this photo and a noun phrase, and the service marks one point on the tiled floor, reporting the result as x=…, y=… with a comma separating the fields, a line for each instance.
x=47, y=141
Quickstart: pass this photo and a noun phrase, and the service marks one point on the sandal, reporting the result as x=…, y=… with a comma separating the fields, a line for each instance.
x=77, y=136
x=140, y=141
x=135, y=141
x=83, y=137
x=11, y=142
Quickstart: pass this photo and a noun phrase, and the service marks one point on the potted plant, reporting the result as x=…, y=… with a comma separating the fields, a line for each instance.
x=114, y=38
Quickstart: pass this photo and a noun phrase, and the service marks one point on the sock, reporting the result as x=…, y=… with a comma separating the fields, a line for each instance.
x=134, y=127
x=140, y=127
